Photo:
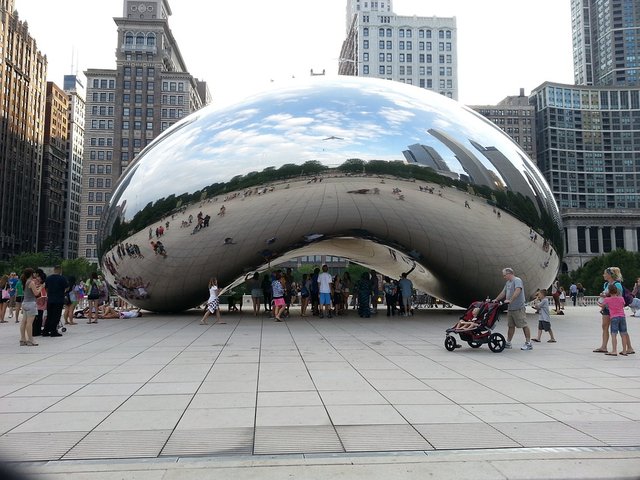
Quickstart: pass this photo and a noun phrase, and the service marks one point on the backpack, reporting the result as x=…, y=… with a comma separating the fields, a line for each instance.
x=627, y=295
x=94, y=293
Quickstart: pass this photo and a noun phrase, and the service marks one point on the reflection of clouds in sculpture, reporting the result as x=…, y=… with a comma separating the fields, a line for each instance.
x=251, y=155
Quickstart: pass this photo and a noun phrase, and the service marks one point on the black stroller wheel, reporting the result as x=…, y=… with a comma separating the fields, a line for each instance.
x=497, y=342
x=64, y=329
x=474, y=344
x=450, y=343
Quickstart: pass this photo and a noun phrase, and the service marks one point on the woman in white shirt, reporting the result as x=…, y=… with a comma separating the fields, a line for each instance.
x=213, y=304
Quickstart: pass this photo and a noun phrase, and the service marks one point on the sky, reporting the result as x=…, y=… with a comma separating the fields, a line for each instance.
x=240, y=47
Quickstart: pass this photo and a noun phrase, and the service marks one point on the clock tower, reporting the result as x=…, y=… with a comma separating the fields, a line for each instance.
x=146, y=9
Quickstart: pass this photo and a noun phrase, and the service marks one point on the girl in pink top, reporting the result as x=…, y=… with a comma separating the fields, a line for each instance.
x=615, y=302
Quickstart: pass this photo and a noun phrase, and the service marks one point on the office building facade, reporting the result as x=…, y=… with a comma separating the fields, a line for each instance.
x=126, y=108
x=588, y=141
x=606, y=42
x=420, y=51
x=516, y=117
x=53, y=187
x=74, y=87
x=23, y=75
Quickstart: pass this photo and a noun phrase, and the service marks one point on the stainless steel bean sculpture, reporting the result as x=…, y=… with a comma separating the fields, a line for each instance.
x=390, y=176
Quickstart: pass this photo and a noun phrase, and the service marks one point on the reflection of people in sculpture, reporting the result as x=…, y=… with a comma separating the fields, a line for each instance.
x=222, y=211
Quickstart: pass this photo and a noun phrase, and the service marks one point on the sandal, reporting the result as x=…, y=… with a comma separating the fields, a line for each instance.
x=551, y=341
x=535, y=340
x=624, y=354
x=611, y=354
x=631, y=352
x=600, y=350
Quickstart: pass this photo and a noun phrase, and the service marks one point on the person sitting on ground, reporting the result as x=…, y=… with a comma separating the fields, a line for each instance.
x=134, y=313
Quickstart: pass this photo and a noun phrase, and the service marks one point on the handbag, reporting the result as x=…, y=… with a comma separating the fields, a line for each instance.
x=5, y=294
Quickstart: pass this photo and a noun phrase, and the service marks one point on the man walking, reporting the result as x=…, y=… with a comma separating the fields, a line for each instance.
x=56, y=286
x=513, y=293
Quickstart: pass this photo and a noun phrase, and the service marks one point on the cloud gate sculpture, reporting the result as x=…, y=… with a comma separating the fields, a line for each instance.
x=389, y=176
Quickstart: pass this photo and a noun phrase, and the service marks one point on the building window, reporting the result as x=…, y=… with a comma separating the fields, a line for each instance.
x=365, y=32
x=380, y=32
x=365, y=69
x=365, y=44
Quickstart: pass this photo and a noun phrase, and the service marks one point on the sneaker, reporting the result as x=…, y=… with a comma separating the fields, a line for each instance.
x=527, y=346
x=507, y=345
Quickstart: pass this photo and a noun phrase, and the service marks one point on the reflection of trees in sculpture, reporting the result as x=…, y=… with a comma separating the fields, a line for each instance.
x=515, y=203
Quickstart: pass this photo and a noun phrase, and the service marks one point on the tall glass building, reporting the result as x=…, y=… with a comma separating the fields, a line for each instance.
x=588, y=141
x=588, y=134
x=606, y=42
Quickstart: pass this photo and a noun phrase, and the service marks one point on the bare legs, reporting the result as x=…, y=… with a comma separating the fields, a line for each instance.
x=26, y=330
x=606, y=324
x=256, y=305
x=93, y=311
x=207, y=312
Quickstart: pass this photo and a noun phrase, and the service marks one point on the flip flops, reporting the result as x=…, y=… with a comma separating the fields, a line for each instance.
x=611, y=354
x=599, y=350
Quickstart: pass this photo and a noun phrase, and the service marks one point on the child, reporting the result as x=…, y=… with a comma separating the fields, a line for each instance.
x=615, y=302
x=563, y=298
x=467, y=325
x=541, y=305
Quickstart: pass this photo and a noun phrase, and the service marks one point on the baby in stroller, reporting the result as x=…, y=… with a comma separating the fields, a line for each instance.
x=475, y=327
x=467, y=325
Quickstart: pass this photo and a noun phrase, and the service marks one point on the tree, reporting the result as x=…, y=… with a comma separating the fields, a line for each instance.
x=78, y=268
x=590, y=274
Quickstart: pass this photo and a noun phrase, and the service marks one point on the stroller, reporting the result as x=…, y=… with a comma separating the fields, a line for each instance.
x=486, y=315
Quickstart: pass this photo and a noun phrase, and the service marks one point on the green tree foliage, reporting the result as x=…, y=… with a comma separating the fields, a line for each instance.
x=590, y=275
x=80, y=268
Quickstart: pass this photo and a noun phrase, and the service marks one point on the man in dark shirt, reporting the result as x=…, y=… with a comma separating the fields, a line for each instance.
x=56, y=286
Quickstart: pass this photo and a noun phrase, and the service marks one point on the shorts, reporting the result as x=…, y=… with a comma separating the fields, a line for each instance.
x=517, y=318
x=605, y=311
x=544, y=325
x=30, y=309
x=279, y=301
x=325, y=299
x=256, y=293
x=618, y=325
x=4, y=300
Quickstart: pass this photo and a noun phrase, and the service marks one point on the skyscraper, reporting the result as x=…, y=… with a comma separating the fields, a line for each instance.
x=588, y=135
x=75, y=90
x=420, y=51
x=128, y=107
x=606, y=42
x=22, y=107
x=54, y=172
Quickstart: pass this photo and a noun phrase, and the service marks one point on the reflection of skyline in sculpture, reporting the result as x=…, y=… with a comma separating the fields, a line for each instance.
x=341, y=160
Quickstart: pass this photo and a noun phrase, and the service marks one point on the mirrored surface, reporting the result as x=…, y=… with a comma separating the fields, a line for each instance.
x=387, y=175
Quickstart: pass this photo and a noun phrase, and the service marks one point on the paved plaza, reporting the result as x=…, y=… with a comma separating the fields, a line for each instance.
x=155, y=394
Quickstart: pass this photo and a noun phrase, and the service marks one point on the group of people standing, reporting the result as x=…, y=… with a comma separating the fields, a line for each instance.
x=320, y=293
x=611, y=302
x=42, y=300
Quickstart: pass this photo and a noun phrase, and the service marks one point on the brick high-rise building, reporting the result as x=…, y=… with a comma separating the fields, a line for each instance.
x=22, y=107
x=54, y=172
x=128, y=107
